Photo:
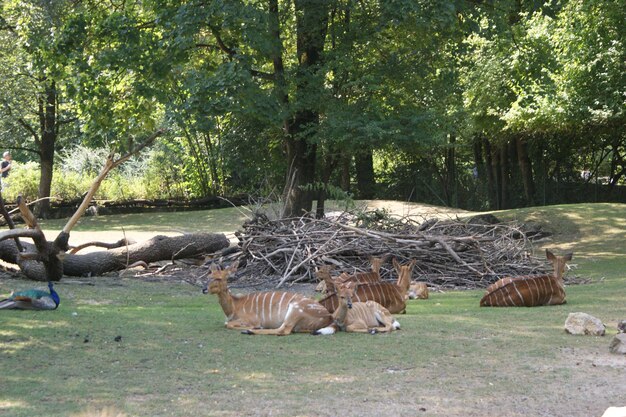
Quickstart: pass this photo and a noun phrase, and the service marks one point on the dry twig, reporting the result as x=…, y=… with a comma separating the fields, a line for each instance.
x=449, y=254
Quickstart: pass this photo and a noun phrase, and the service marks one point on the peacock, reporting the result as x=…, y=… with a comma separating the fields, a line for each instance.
x=33, y=299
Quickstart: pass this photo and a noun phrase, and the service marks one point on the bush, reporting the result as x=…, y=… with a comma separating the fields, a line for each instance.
x=23, y=179
x=68, y=185
x=159, y=173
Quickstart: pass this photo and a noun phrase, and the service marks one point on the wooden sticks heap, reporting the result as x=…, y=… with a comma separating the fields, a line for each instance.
x=449, y=253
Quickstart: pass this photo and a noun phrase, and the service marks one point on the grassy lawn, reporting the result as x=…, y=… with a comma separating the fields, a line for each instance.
x=160, y=349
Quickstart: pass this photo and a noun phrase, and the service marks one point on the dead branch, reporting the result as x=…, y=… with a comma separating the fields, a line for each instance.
x=448, y=253
x=109, y=164
x=9, y=220
x=119, y=243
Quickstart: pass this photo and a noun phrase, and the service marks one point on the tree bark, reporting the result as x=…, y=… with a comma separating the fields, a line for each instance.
x=159, y=248
x=364, y=164
x=504, y=176
x=330, y=162
x=344, y=175
x=450, y=174
x=526, y=171
x=493, y=177
x=49, y=132
x=311, y=28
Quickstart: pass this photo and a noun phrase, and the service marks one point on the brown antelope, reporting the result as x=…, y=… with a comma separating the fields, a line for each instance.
x=271, y=312
x=367, y=317
x=326, y=284
x=404, y=276
x=322, y=273
x=388, y=294
x=529, y=291
x=418, y=290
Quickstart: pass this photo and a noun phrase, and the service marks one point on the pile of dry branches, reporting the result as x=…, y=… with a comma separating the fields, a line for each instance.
x=449, y=253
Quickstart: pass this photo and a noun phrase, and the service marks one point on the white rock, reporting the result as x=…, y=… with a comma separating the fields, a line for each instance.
x=583, y=323
x=615, y=412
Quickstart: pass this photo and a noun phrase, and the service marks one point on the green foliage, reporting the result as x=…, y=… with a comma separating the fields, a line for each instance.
x=70, y=185
x=24, y=180
x=377, y=219
x=396, y=77
x=152, y=176
x=591, y=40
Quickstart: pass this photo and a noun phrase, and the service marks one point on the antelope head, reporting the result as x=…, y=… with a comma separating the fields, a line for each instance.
x=559, y=263
x=377, y=262
x=345, y=291
x=323, y=274
x=404, y=274
x=217, y=281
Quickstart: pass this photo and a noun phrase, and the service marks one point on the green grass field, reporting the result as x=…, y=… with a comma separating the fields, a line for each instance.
x=160, y=349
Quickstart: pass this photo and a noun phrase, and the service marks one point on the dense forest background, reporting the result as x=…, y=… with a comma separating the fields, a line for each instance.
x=467, y=103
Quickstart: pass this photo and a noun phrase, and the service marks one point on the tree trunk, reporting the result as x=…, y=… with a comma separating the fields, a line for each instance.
x=450, y=174
x=159, y=248
x=329, y=164
x=49, y=130
x=479, y=163
x=364, y=164
x=493, y=167
x=526, y=171
x=344, y=178
x=311, y=27
x=504, y=176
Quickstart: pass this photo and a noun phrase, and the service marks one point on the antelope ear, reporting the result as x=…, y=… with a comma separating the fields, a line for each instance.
x=323, y=272
x=373, y=259
x=412, y=263
x=233, y=266
x=343, y=277
x=568, y=256
x=549, y=255
x=396, y=265
x=214, y=267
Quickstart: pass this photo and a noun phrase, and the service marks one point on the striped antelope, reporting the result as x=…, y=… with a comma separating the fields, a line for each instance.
x=327, y=283
x=404, y=276
x=272, y=312
x=367, y=317
x=529, y=291
x=389, y=295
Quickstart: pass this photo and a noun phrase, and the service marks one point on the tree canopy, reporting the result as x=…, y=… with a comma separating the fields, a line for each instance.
x=470, y=103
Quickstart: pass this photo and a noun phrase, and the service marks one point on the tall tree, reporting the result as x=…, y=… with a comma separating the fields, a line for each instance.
x=33, y=105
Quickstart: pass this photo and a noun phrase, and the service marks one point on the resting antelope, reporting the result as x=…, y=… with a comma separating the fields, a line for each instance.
x=367, y=317
x=388, y=294
x=418, y=290
x=272, y=312
x=529, y=291
x=404, y=276
x=327, y=283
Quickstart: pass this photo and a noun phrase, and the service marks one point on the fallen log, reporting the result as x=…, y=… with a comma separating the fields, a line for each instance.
x=159, y=248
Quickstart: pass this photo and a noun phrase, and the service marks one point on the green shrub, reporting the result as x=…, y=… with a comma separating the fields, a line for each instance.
x=24, y=180
x=68, y=185
x=152, y=175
